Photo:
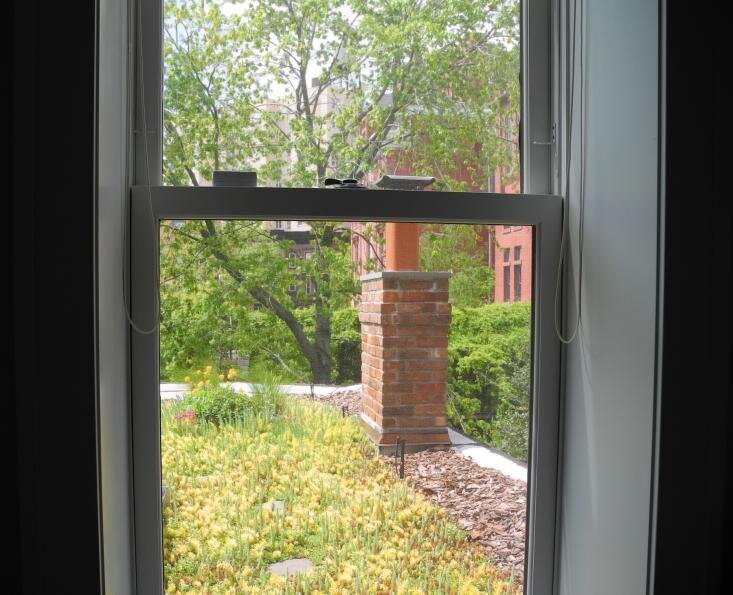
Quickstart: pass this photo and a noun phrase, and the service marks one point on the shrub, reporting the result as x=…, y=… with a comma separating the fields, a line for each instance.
x=489, y=373
x=346, y=346
x=510, y=426
x=210, y=401
x=477, y=373
x=509, y=431
x=217, y=404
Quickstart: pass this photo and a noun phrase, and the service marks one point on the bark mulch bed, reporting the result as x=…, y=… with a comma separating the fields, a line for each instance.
x=490, y=506
x=339, y=399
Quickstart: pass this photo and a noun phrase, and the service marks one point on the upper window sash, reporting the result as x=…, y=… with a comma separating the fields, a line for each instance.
x=537, y=138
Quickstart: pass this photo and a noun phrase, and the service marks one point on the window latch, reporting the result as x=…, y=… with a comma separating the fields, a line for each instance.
x=547, y=143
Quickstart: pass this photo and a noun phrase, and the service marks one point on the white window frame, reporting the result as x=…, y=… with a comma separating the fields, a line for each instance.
x=538, y=209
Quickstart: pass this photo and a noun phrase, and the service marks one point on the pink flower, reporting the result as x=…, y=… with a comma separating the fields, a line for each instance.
x=186, y=416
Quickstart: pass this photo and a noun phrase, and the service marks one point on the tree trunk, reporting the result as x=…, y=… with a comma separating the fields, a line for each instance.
x=324, y=362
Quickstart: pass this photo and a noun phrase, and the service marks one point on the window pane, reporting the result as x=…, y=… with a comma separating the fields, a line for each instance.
x=298, y=92
x=257, y=475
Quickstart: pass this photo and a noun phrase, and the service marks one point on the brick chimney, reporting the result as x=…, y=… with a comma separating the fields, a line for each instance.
x=405, y=318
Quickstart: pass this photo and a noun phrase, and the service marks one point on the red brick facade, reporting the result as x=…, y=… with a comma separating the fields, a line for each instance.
x=513, y=287
x=405, y=317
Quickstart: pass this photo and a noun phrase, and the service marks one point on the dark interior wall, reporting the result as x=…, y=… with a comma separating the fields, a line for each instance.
x=52, y=321
x=694, y=501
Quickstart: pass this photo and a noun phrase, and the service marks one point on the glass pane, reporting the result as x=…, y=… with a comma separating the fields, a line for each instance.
x=294, y=399
x=299, y=91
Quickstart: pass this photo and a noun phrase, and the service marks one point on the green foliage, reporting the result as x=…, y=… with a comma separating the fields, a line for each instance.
x=434, y=84
x=462, y=250
x=248, y=87
x=267, y=400
x=221, y=404
x=216, y=404
x=346, y=346
x=489, y=374
x=228, y=286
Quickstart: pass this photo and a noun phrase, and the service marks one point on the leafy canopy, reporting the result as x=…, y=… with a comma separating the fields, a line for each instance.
x=302, y=89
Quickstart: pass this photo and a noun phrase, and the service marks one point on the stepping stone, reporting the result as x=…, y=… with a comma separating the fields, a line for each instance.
x=291, y=567
x=274, y=505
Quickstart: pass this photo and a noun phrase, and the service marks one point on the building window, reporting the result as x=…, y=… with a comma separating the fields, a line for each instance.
x=518, y=282
x=292, y=256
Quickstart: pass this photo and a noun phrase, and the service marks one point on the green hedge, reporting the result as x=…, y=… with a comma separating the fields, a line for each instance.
x=488, y=374
x=346, y=346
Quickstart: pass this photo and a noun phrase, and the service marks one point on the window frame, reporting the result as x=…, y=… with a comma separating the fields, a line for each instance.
x=169, y=202
x=149, y=199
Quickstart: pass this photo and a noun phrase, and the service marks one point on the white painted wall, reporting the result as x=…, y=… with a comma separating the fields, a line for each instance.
x=607, y=473
x=113, y=343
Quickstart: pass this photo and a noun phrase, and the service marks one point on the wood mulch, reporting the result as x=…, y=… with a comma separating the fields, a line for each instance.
x=490, y=506
x=339, y=399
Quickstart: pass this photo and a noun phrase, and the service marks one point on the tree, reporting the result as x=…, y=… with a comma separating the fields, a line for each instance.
x=223, y=272
x=303, y=89
x=461, y=250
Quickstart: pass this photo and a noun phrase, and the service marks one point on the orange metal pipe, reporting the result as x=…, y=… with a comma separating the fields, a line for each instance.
x=403, y=246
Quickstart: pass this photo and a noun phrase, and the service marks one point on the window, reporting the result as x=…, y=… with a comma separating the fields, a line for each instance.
x=172, y=202
x=226, y=203
x=292, y=256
